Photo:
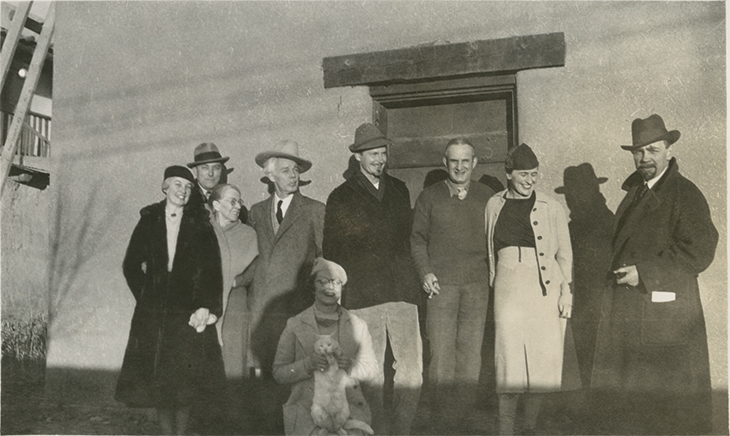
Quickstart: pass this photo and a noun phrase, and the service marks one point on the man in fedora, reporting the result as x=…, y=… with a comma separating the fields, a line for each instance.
x=367, y=230
x=289, y=230
x=651, y=352
x=210, y=170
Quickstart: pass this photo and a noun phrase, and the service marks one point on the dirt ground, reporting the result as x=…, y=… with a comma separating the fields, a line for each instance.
x=25, y=410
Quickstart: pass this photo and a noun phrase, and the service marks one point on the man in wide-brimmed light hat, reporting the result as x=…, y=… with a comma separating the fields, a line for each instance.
x=651, y=348
x=289, y=230
x=367, y=231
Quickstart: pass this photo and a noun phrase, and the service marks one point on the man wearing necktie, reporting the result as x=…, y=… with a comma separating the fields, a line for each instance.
x=449, y=247
x=289, y=230
x=651, y=360
x=210, y=170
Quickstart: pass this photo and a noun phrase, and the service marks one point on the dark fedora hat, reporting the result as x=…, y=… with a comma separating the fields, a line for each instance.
x=206, y=152
x=286, y=149
x=367, y=137
x=581, y=175
x=650, y=130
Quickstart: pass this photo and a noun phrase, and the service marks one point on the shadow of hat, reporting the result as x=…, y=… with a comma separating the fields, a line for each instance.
x=493, y=183
x=579, y=176
x=266, y=180
x=435, y=176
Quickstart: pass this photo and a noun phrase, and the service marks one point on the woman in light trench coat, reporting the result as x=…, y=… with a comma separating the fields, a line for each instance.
x=530, y=269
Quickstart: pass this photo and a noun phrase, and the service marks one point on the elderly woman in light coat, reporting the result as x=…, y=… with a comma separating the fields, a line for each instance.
x=530, y=268
x=238, y=246
x=296, y=360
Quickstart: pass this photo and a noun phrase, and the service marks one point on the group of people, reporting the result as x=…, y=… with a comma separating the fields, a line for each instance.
x=226, y=294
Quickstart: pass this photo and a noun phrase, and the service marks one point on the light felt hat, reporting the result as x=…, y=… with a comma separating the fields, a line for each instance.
x=206, y=152
x=367, y=137
x=334, y=270
x=286, y=149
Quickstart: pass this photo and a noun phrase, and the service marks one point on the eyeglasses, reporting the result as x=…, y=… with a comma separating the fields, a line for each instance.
x=323, y=282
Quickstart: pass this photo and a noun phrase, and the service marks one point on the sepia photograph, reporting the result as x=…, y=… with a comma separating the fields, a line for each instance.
x=338, y=217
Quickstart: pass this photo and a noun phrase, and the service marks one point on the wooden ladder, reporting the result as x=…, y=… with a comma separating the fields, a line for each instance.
x=31, y=80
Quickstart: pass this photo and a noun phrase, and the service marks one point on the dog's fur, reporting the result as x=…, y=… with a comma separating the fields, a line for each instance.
x=330, y=409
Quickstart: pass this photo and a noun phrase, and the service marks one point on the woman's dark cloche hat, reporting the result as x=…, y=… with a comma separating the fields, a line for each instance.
x=650, y=130
x=286, y=149
x=179, y=171
x=206, y=152
x=582, y=175
x=520, y=158
x=367, y=137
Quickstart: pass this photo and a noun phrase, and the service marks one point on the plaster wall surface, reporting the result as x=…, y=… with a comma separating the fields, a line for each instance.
x=139, y=84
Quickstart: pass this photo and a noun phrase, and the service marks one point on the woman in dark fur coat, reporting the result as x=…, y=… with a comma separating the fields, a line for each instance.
x=172, y=266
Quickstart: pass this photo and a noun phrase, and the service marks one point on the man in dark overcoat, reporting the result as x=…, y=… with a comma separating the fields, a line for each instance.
x=367, y=231
x=210, y=170
x=651, y=353
x=289, y=230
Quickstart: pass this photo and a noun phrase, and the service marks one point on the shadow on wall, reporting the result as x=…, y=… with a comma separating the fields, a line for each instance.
x=591, y=224
x=77, y=237
x=73, y=244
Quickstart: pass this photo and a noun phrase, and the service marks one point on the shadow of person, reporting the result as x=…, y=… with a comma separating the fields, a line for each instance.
x=265, y=413
x=435, y=176
x=590, y=232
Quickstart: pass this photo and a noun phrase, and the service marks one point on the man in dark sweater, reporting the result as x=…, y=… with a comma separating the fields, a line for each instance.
x=449, y=247
x=366, y=230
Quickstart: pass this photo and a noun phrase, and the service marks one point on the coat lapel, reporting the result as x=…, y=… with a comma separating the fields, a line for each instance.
x=268, y=225
x=649, y=202
x=307, y=334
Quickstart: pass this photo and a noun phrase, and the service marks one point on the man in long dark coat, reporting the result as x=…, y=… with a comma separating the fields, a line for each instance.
x=367, y=229
x=651, y=351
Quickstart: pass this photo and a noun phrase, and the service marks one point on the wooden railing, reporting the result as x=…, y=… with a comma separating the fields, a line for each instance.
x=35, y=139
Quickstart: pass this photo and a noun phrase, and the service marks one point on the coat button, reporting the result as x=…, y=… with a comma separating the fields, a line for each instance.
x=539, y=238
x=542, y=254
x=547, y=282
x=543, y=268
x=534, y=210
x=534, y=222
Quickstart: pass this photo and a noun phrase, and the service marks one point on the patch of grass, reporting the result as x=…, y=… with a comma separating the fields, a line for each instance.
x=25, y=339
